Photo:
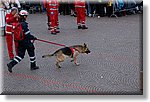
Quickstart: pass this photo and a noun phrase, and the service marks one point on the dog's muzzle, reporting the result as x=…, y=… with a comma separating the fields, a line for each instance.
x=87, y=52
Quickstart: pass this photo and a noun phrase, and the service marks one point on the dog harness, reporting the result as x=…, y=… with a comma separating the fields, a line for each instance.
x=72, y=50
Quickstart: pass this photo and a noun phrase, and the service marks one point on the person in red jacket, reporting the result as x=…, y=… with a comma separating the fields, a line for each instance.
x=80, y=10
x=11, y=18
x=52, y=13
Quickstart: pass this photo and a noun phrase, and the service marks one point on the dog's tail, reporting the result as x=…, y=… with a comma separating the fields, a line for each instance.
x=49, y=55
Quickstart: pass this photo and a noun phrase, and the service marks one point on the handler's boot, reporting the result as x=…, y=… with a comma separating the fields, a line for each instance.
x=15, y=61
x=11, y=65
x=33, y=66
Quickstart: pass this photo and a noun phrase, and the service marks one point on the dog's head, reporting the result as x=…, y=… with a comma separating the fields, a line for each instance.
x=86, y=49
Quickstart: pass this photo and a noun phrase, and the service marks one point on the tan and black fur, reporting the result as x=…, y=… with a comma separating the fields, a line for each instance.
x=63, y=53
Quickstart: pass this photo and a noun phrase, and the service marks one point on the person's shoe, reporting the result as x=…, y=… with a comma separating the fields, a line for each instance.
x=57, y=31
x=34, y=68
x=90, y=15
x=10, y=67
x=84, y=27
x=79, y=27
x=74, y=15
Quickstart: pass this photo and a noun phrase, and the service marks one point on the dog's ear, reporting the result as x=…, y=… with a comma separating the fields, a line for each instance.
x=85, y=45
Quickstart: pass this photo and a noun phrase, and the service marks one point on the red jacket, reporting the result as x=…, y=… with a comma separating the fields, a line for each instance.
x=51, y=5
x=10, y=19
x=80, y=3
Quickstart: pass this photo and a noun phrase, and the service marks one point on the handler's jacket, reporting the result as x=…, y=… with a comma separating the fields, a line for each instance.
x=80, y=3
x=26, y=31
x=10, y=19
x=51, y=5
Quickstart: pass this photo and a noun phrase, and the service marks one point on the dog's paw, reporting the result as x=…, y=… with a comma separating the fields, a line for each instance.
x=59, y=67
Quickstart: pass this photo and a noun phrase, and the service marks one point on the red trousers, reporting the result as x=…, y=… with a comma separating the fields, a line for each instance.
x=53, y=20
x=9, y=40
x=80, y=15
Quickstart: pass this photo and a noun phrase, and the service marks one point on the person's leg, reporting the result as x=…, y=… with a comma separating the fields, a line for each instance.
x=78, y=18
x=52, y=24
x=18, y=58
x=31, y=53
x=9, y=41
x=56, y=22
x=83, y=18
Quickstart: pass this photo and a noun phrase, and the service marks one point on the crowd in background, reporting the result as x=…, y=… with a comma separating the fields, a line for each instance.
x=99, y=8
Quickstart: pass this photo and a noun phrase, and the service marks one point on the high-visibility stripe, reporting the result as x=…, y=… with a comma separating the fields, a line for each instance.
x=32, y=61
x=32, y=57
x=53, y=9
x=27, y=32
x=8, y=25
x=16, y=60
x=80, y=6
x=53, y=4
x=19, y=57
x=8, y=32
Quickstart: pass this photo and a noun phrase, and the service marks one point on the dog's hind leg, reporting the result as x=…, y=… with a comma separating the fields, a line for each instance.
x=58, y=65
x=59, y=59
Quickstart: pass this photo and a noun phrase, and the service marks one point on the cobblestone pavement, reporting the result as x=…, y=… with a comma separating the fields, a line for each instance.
x=112, y=67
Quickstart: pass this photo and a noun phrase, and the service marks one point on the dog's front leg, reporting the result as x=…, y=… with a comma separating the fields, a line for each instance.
x=75, y=59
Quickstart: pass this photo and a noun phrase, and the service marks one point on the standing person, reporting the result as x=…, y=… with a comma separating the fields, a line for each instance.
x=46, y=5
x=23, y=36
x=80, y=10
x=88, y=8
x=52, y=12
x=15, y=3
x=11, y=18
x=100, y=8
x=11, y=3
x=109, y=8
x=72, y=9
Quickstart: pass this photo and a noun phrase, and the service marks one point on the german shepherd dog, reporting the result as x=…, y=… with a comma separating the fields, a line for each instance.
x=72, y=52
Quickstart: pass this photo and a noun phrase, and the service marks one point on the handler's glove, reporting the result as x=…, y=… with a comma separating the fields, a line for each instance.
x=35, y=38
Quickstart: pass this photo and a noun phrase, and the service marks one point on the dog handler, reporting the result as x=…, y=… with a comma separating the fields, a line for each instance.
x=24, y=44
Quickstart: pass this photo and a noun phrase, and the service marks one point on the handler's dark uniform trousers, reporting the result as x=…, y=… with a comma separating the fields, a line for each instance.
x=24, y=45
